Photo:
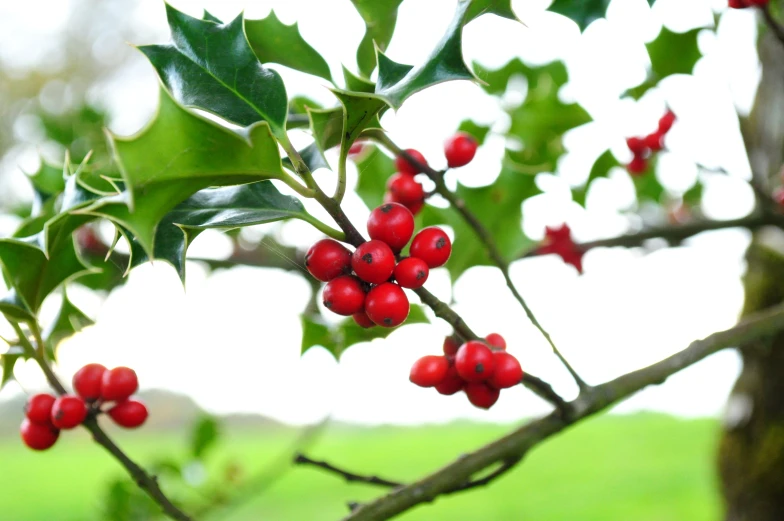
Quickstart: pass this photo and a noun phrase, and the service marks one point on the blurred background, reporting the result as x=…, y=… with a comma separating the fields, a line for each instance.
x=227, y=346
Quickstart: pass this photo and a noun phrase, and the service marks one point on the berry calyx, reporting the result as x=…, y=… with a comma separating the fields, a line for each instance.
x=495, y=340
x=460, y=149
x=391, y=223
x=481, y=395
x=636, y=145
x=451, y=345
x=429, y=371
x=559, y=241
x=411, y=273
x=508, y=372
x=87, y=381
x=118, y=384
x=328, y=259
x=38, y=436
x=387, y=305
x=432, y=245
x=637, y=166
x=129, y=414
x=344, y=295
x=666, y=122
x=363, y=320
x=68, y=411
x=474, y=361
x=373, y=261
x=405, y=189
x=452, y=383
x=39, y=408
x=404, y=167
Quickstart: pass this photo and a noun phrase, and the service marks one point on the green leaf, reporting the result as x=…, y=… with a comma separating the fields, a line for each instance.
x=204, y=435
x=178, y=154
x=48, y=180
x=502, y=8
x=212, y=66
x=342, y=125
x=601, y=168
x=338, y=338
x=693, y=195
x=275, y=42
x=374, y=168
x=326, y=126
x=647, y=186
x=379, y=17
x=357, y=83
x=479, y=132
x=14, y=308
x=69, y=320
x=582, y=12
x=211, y=17
x=7, y=363
x=498, y=207
x=497, y=80
x=670, y=53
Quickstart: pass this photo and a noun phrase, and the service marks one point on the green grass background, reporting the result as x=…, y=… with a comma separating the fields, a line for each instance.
x=643, y=467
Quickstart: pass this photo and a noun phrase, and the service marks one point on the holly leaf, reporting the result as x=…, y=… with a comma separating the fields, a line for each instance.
x=212, y=66
x=7, y=363
x=337, y=338
x=539, y=77
x=48, y=181
x=204, y=436
x=356, y=83
x=477, y=131
x=502, y=8
x=379, y=17
x=499, y=208
x=69, y=320
x=14, y=308
x=375, y=168
x=647, y=185
x=275, y=42
x=601, y=168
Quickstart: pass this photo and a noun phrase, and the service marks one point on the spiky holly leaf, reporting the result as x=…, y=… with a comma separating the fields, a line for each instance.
x=14, y=308
x=499, y=208
x=601, y=168
x=178, y=154
x=356, y=83
x=379, y=17
x=7, y=363
x=338, y=338
x=374, y=168
x=212, y=66
x=275, y=42
x=502, y=8
x=69, y=320
x=477, y=131
x=582, y=12
x=47, y=181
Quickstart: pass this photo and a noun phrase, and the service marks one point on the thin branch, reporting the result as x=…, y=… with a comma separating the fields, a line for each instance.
x=772, y=23
x=514, y=446
x=483, y=235
x=301, y=459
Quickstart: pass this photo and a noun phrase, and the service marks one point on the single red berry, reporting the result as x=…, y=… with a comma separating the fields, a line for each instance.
x=508, y=372
x=391, y=223
x=68, y=411
x=757, y=2
x=38, y=436
x=474, y=361
x=118, y=384
x=666, y=121
x=460, y=149
x=636, y=145
x=452, y=383
x=737, y=4
x=778, y=196
x=451, y=345
x=655, y=141
x=328, y=259
x=39, y=408
x=429, y=371
x=404, y=167
x=405, y=188
x=414, y=208
x=387, y=305
x=87, y=381
x=355, y=149
x=481, y=395
x=373, y=261
x=344, y=295
x=637, y=166
x=129, y=414
x=362, y=319
x=411, y=273
x=496, y=340
x=432, y=245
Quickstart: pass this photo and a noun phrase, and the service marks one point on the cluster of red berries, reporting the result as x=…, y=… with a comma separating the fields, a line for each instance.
x=644, y=147
x=94, y=385
x=373, y=294
x=742, y=4
x=559, y=241
x=478, y=368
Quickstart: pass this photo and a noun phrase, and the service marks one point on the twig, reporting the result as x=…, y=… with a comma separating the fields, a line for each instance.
x=515, y=445
x=301, y=459
x=774, y=26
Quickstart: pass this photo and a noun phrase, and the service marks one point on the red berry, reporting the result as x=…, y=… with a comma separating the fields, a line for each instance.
x=460, y=149
x=39, y=408
x=666, y=121
x=68, y=411
x=391, y=223
x=87, y=381
x=355, y=149
x=429, y=371
x=129, y=414
x=452, y=382
x=328, y=259
x=387, y=305
x=637, y=166
x=481, y=395
x=508, y=372
x=474, y=361
x=411, y=273
x=344, y=295
x=737, y=4
x=414, y=208
x=404, y=167
x=636, y=145
x=38, y=436
x=496, y=340
x=362, y=319
x=778, y=196
x=655, y=141
x=405, y=188
x=118, y=384
x=433, y=246
x=451, y=345
x=373, y=262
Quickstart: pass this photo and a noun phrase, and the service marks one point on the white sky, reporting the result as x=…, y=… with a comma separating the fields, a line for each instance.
x=232, y=339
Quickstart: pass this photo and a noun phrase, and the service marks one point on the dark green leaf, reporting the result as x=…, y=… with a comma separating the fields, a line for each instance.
x=502, y=8
x=341, y=125
x=69, y=320
x=479, y=132
x=693, y=196
x=582, y=12
x=380, y=17
x=327, y=126
x=204, y=435
x=374, y=168
x=312, y=157
x=357, y=83
x=275, y=42
x=601, y=167
x=537, y=77
x=7, y=363
x=670, y=53
x=211, y=17
x=14, y=308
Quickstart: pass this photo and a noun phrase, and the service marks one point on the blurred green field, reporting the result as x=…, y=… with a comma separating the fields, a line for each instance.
x=643, y=467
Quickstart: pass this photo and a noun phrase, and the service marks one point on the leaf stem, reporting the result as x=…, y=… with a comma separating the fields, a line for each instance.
x=327, y=230
x=340, y=188
x=296, y=186
x=296, y=160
